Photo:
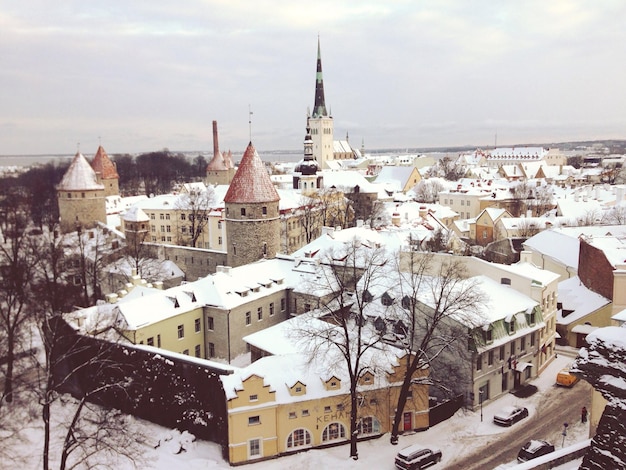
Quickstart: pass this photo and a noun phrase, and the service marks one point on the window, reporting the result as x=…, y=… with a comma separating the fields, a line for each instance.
x=522, y=343
x=211, y=349
x=264, y=210
x=168, y=228
x=488, y=336
x=219, y=240
x=197, y=350
x=490, y=358
x=152, y=229
x=254, y=397
x=150, y=341
x=259, y=313
x=462, y=202
x=161, y=216
x=162, y=228
x=298, y=438
x=253, y=420
x=181, y=331
x=255, y=447
x=282, y=305
x=327, y=409
x=479, y=362
x=248, y=318
x=167, y=217
x=305, y=412
x=152, y=217
x=186, y=352
x=505, y=281
x=512, y=326
x=292, y=415
x=502, y=353
x=298, y=389
x=196, y=325
x=243, y=211
x=531, y=318
x=209, y=323
x=219, y=224
x=532, y=339
x=271, y=309
x=183, y=216
x=333, y=432
x=368, y=425
x=340, y=407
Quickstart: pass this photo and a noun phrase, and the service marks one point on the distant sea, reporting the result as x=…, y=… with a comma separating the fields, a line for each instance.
x=267, y=156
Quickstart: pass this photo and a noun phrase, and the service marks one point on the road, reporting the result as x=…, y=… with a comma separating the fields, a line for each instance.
x=560, y=406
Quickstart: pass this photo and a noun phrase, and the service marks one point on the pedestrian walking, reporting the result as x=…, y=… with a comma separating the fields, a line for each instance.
x=583, y=414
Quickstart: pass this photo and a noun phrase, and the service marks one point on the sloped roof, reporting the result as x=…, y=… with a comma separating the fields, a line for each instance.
x=135, y=214
x=80, y=176
x=219, y=163
x=102, y=164
x=251, y=183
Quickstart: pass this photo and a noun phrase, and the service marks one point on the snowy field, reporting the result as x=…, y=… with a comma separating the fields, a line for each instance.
x=463, y=432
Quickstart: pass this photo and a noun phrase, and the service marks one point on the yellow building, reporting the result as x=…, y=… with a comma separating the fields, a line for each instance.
x=286, y=403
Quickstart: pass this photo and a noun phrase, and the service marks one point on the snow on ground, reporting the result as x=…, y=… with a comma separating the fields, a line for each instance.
x=463, y=431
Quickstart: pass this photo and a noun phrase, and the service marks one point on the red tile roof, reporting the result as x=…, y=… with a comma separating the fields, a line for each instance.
x=251, y=183
x=102, y=164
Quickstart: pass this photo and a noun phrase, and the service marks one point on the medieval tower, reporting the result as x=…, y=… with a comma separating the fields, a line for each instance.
x=320, y=121
x=252, y=212
x=221, y=168
x=80, y=196
x=106, y=173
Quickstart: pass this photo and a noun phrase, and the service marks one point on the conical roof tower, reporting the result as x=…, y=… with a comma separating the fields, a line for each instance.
x=106, y=172
x=252, y=212
x=80, y=196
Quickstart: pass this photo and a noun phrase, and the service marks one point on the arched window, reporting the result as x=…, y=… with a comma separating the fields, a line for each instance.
x=299, y=438
x=333, y=432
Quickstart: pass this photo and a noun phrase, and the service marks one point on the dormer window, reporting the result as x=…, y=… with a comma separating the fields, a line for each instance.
x=488, y=336
x=512, y=326
x=386, y=299
x=367, y=297
x=406, y=302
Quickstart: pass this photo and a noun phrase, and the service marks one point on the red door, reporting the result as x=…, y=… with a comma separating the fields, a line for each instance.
x=407, y=422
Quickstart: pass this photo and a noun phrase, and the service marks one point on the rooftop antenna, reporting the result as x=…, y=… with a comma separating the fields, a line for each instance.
x=250, y=121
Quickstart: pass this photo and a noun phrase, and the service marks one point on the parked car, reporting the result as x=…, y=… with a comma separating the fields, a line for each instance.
x=565, y=379
x=533, y=449
x=416, y=457
x=510, y=415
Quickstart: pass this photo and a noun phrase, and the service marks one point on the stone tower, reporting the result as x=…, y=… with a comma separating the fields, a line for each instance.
x=320, y=121
x=80, y=197
x=220, y=169
x=252, y=212
x=306, y=175
x=106, y=172
x=136, y=225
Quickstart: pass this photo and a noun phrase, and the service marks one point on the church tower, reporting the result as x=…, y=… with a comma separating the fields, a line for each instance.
x=252, y=213
x=106, y=173
x=80, y=197
x=306, y=175
x=320, y=121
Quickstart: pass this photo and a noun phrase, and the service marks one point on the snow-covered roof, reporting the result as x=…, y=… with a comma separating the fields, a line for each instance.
x=79, y=176
x=135, y=214
x=251, y=183
x=557, y=244
x=575, y=297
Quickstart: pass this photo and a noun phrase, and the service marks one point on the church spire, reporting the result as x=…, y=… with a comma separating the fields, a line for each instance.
x=319, y=109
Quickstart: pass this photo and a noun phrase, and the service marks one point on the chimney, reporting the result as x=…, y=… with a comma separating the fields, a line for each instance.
x=216, y=146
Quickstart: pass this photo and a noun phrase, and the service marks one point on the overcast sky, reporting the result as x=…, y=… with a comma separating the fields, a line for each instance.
x=143, y=75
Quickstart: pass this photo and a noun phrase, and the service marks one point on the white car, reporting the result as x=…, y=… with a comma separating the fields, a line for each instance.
x=510, y=415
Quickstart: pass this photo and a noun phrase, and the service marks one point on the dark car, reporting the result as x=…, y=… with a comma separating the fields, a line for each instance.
x=533, y=449
x=416, y=457
x=510, y=415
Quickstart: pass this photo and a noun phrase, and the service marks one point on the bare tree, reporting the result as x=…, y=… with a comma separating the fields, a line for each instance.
x=427, y=190
x=347, y=337
x=378, y=216
x=437, y=305
x=448, y=168
x=16, y=266
x=310, y=215
x=194, y=207
x=335, y=208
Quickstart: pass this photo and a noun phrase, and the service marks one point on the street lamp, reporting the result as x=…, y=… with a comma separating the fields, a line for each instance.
x=480, y=398
x=564, y=433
